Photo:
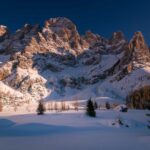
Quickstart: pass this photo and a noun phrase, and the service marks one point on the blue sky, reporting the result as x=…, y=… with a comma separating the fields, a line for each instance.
x=100, y=16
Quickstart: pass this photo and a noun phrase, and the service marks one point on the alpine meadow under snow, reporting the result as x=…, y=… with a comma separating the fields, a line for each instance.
x=57, y=70
x=74, y=130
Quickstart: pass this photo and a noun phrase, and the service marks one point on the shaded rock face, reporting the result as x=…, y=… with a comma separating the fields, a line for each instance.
x=117, y=43
x=136, y=55
x=92, y=38
x=116, y=38
x=137, y=51
x=95, y=42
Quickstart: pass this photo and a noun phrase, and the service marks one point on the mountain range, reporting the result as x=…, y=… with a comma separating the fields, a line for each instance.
x=55, y=62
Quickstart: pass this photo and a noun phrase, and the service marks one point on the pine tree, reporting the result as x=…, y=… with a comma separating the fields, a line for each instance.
x=90, y=111
x=148, y=126
x=40, y=109
x=107, y=105
x=95, y=105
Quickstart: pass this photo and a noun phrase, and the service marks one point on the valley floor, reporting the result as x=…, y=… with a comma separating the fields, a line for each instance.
x=75, y=131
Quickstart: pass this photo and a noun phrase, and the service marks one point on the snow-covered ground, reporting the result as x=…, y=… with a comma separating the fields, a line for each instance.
x=74, y=130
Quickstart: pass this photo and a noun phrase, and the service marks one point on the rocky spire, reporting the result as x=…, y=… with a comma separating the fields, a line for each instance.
x=116, y=38
x=4, y=33
x=139, y=49
x=136, y=55
x=138, y=41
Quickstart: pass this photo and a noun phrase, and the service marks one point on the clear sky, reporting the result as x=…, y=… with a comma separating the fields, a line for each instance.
x=100, y=16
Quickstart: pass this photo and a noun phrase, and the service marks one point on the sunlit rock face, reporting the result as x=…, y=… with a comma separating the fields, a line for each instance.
x=4, y=33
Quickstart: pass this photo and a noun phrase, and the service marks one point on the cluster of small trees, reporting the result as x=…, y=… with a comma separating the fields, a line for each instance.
x=62, y=106
x=57, y=106
x=91, y=106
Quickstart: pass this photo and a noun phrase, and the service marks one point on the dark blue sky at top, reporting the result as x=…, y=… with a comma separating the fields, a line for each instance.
x=100, y=16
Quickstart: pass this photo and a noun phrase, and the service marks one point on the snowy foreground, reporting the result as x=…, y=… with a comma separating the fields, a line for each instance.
x=75, y=131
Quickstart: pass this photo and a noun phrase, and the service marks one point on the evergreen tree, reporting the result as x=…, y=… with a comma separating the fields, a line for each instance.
x=40, y=109
x=107, y=105
x=90, y=111
x=95, y=105
x=148, y=126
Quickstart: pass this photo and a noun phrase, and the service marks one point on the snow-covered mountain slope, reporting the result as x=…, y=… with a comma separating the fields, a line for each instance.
x=55, y=62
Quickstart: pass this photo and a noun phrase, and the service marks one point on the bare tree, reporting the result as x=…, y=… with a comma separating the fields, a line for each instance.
x=63, y=106
x=50, y=106
x=56, y=106
x=76, y=105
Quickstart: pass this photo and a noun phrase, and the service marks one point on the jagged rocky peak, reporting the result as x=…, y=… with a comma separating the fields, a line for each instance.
x=136, y=54
x=95, y=41
x=63, y=31
x=4, y=32
x=26, y=29
x=62, y=27
x=139, y=49
x=92, y=38
x=60, y=22
x=138, y=41
x=89, y=35
x=117, y=37
x=117, y=43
